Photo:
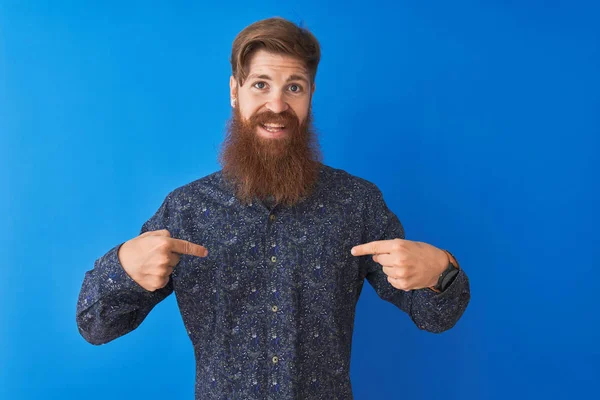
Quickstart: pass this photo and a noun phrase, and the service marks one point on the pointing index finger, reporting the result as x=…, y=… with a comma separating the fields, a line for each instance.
x=184, y=247
x=377, y=247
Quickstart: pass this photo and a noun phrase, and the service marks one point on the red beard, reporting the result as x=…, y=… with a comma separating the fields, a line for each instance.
x=286, y=168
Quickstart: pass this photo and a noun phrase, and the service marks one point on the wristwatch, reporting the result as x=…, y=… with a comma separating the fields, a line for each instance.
x=447, y=276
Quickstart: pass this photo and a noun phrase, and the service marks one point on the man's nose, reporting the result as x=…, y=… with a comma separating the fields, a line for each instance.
x=277, y=104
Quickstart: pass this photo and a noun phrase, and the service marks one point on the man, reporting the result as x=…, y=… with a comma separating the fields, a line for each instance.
x=268, y=256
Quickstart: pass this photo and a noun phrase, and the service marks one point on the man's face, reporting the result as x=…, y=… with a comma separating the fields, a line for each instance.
x=275, y=84
x=271, y=148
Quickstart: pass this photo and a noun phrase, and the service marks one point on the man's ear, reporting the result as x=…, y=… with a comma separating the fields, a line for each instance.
x=232, y=90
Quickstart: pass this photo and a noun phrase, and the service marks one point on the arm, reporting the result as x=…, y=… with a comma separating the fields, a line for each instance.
x=111, y=304
x=429, y=310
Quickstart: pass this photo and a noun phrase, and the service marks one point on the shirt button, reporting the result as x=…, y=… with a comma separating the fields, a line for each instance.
x=274, y=309
x=275, y=360
x=272, y=217
x=273, y=259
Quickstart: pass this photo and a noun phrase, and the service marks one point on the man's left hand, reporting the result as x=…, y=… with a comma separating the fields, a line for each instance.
x=408, y=265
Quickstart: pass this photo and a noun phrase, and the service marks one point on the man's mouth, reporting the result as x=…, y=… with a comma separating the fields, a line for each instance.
x=273, y=128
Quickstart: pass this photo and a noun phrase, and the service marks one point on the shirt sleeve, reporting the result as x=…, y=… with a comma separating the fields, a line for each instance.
x=429, y=310
x=111, y=304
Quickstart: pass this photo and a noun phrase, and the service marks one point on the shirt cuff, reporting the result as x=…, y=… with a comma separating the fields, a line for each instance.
x=115, y=276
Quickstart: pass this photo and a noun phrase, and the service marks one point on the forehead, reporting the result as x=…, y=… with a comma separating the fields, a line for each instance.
x=279, y=65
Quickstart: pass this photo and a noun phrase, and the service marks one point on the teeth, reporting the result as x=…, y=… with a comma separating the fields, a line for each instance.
x=273, y=126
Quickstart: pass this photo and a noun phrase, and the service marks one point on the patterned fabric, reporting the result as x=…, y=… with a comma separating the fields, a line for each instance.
x=270, y=310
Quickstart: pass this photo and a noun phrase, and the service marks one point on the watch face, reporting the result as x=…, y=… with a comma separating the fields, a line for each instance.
x=447, y=277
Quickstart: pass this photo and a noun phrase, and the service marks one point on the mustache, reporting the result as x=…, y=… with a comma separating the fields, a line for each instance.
x=286, y=118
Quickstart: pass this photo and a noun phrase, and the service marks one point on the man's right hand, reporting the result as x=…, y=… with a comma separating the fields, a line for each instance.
x=150, y=258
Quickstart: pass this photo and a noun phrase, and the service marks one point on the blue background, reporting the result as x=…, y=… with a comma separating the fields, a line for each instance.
x=478, y=120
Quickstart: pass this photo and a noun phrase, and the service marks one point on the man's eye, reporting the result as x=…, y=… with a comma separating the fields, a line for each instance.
x=260, y=85
x=295, y=88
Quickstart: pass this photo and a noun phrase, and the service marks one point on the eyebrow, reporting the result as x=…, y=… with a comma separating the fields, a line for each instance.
x=294, y=77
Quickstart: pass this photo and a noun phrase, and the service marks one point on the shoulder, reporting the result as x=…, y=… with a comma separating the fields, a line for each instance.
x=199, y=188
x=340, y=181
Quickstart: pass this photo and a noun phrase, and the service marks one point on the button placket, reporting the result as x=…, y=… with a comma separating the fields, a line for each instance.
x=273, y=262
